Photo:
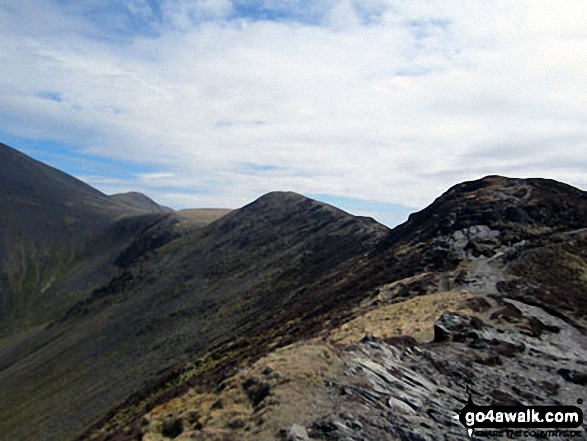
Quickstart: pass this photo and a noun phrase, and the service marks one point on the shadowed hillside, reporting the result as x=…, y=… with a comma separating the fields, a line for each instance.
x=57, y=236
x=289, y=318
x=173, y=295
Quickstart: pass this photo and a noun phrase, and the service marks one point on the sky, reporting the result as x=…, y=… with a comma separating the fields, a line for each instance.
x=375, y=106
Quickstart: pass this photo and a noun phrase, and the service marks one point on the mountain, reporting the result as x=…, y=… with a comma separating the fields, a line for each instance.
x=55, y=231
x=480, y=294
x=289, y=318
x=171, y=294
x=139, y=202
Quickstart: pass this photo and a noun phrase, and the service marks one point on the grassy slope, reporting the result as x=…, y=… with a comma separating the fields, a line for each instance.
x=175, y=298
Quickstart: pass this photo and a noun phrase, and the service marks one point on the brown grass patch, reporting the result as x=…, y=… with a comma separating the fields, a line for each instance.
x=413, y=317
x=291, y=380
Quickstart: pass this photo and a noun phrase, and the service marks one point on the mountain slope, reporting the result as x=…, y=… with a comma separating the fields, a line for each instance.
x=139, y=202
x=485, y=284
x=287, y=318
x=174, y=297
x=50, y=223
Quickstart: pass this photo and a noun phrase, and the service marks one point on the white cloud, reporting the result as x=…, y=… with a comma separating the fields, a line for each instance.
x=387, y=101
x=155, y=176
x=182, y=14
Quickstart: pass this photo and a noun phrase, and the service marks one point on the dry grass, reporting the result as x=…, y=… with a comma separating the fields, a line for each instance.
x=414, y=317
x=203, y=216
x=289, y=384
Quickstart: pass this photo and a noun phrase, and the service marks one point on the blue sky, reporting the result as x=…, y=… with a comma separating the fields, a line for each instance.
x=376, y=106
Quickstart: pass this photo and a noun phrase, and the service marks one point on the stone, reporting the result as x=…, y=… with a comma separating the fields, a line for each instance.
x=454, y=326
x=576, y=377
x=296, y=432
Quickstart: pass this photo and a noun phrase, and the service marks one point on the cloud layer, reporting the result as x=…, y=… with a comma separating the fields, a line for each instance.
x=213, y=102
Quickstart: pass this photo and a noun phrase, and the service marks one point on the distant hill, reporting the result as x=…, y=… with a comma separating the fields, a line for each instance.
x=139, y=201
x=287, y=318
x=56, y=230
x=200, y=216
x=59, y=237
x=172, y=292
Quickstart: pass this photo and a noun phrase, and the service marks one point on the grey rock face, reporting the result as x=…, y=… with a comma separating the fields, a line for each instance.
x=459, y=239
x=415, y=393
x=455, y=326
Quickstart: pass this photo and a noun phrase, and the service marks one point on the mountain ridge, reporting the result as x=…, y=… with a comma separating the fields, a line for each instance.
x=194, y=326
x=463, y=262
x=50, y=224
x=164, y=297
x=470, y=301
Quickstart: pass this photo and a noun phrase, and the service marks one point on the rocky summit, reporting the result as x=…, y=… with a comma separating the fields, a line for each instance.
x=287, y=319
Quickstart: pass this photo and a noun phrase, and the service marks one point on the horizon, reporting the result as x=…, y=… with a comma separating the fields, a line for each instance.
x=375, y=107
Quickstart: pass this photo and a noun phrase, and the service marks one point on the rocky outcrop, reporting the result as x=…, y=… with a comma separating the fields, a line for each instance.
x=394, y=388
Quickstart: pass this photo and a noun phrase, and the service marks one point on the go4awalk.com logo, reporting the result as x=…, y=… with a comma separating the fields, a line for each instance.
x=521, y=421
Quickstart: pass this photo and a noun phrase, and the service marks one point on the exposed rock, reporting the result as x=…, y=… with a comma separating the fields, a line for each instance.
x=573, y=376
x=508, y=312
x=401, y=342
x=474, y=235
x=535, y=327
x=454, y=326
x=478, y=304
x=501, y=347
x=501, y=398
x=294, y=433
